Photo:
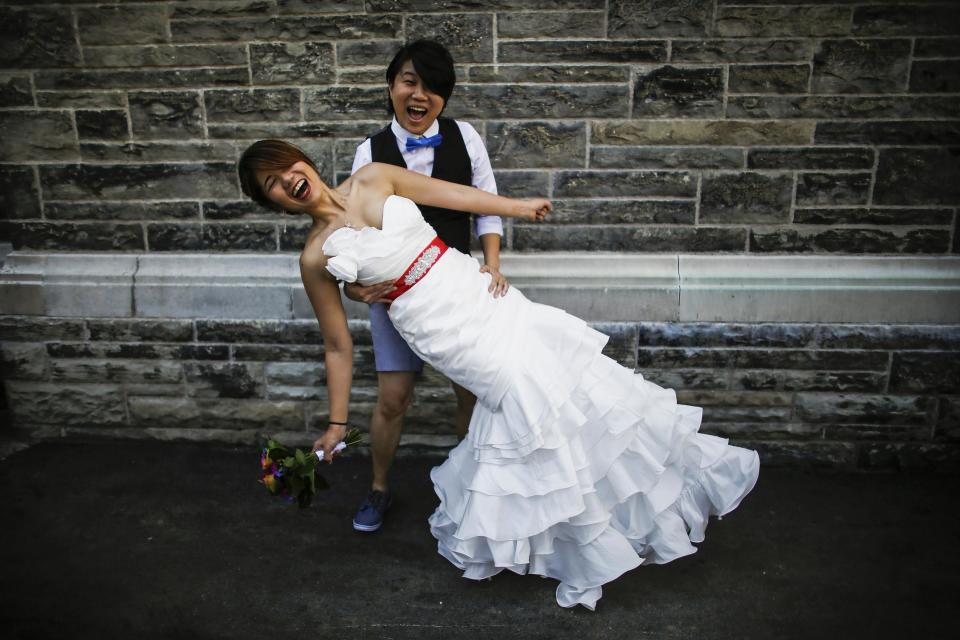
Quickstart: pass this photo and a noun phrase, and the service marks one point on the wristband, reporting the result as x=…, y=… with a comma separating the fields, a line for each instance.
x=342, y=424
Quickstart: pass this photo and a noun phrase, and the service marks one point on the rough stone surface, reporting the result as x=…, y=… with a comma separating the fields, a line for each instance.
x=926, y=372
x=745, y=197
x=166, y=114
x=639, y=19
x=536, y=144
x=602, y=157
x=768, y=78
x=123, y=25
x=19, y=197
x=935, y=76
x=627, y=238
x=832, y=189
x=566, y=24
x=40, y=403
x=37, y=37
x=678, y=92
x=15, y=91
x=851, y=241
x=224, y=379
x=798, y=158
x=105, y=125
x=292, y=63
x=468, y=36
x=861, y=66
x=624, y=183
x=582, y=51
x=37, y=135
x=921, y=176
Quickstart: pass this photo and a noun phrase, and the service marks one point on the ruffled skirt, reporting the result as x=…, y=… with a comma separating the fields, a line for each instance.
x=574, y=467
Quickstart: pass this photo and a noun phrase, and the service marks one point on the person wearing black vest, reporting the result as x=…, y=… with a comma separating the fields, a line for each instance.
x=420, y=80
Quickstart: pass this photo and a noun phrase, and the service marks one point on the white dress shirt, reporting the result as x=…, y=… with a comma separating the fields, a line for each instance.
x=421, y=161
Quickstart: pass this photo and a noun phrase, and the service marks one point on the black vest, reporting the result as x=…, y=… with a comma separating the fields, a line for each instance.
x=451, y=162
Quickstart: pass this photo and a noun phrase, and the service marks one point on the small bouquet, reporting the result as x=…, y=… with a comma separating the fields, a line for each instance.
x=293, y=475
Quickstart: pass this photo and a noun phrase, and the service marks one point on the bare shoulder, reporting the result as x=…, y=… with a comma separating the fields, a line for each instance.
x=375, y=173
x=312, y=257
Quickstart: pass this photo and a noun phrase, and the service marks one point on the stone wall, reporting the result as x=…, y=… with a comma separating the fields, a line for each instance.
x=656, y=125
x=843, y=396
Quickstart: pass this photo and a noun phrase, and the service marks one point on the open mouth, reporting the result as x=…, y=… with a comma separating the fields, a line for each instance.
x=416, y=114
x=301, y=189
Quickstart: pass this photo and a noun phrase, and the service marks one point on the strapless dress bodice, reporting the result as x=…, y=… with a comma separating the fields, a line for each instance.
x=370, y=255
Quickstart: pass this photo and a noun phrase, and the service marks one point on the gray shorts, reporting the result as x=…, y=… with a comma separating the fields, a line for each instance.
x=390, y=351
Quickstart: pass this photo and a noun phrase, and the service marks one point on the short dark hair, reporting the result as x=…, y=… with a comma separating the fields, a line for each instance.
x=267, y=155
x=433, y=64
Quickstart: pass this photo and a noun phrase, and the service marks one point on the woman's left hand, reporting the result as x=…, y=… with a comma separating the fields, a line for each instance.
x=498, y=282
x=535, y=209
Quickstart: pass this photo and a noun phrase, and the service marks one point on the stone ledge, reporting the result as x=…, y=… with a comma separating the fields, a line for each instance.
x=597, y=287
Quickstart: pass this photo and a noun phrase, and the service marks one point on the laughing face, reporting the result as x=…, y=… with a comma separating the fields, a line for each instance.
x=293, y=188
x=415, y=106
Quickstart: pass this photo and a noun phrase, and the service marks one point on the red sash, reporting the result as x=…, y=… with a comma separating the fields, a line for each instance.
x=418, y=268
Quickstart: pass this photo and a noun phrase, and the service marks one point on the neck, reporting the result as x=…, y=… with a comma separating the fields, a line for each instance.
x=330, y=208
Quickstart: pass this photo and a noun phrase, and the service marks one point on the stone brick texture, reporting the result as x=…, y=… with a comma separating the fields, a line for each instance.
x=838, y=396
x=738, y=126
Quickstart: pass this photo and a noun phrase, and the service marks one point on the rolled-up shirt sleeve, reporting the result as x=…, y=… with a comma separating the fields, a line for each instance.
x=482, y=177
x=364, y=156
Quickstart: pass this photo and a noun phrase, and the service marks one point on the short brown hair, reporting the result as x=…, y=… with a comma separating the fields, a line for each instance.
x=267, y=155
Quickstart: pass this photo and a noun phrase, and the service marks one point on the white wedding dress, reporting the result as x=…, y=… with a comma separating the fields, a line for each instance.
x=574, y=467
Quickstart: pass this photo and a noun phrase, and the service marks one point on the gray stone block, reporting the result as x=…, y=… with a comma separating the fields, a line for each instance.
x=688, y=358
x=936, y=48
x=23, y=361
x=906, y=20
x=121, y=211
x=522, y=184
x=889, y=337
x=936, y=372
x=123, y=24
x=678, y=184
x=745, y=197
x=874, y=215
x=582, y=51
x=19, y=197
x=850, y=241
x=815, y=189
x=446, y=5
x=37, y=135
x=703, y=334
x=602, y=157
x=948, y=418
x=811, y=158
x=174, y=237
x=73, y=236
x=539, y=101
x=294, y=374
x=80, y=100
x=89, y=285
x=132, y=371
x=363, y=53
x=105, y=350
x=158, y=152
x=297, y=332
x=292, y=63
x=917, y=176
x=627, y=238
x=566, y=24
x=37, y=37
x=159, y=78
x=166, y=114
x=741, y=50
x=840, y=107
x=688, y=378
x=861, y=66
x=559, y=74
x=135, y=182
x=345, y=103
x=822, y=408
x=651, y=18
x=701, y=132
x=232, y=9
x=242, y=236
x=252, y=106
x=279, y=353
x=774, y=21
x=623, y=212
x=312, y=130
x=525, y=145
x=678, y=92
x=40, y=403
x=102, y=125
x=217, y=55
x=810, y=360
x=240, y=210
x=139, y=330
x=224, y=379
x=769, y=78
x=15, y=91
x=300, y=394
x=288, y=29
x=842, y=381
x=468, y=36
x=889, y=133
x=622, y=345
x=819, y=455
x=935, y=76
x=27, y=329
x=210, y=413
x=319, y=6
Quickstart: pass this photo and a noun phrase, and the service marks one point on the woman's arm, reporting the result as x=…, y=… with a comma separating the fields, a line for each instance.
x=324, y=295
x=449, y=195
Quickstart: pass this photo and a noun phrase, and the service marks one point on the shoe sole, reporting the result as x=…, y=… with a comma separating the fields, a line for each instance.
x=366, y=528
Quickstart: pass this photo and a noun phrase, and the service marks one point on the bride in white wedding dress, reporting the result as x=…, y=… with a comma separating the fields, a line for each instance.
x=574, y=467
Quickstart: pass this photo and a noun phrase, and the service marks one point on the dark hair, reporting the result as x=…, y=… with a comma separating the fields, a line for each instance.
x=433, y=64
x=269, y=155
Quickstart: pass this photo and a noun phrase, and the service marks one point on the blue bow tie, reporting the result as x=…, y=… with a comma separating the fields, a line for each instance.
x=430, y=141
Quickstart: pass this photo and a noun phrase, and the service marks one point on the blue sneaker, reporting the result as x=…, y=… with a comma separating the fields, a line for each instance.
x=370, y=515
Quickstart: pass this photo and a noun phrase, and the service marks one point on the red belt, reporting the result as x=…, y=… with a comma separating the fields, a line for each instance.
x=418, y=268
